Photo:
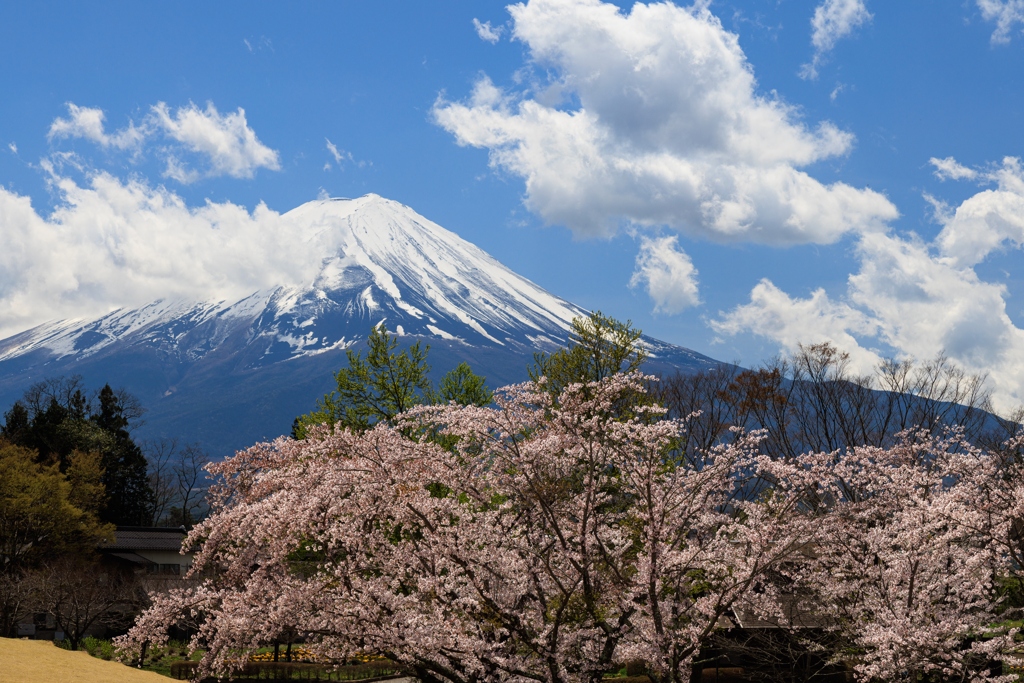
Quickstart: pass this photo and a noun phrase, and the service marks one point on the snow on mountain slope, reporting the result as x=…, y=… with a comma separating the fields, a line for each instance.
x=382, y=262
x=228, y=373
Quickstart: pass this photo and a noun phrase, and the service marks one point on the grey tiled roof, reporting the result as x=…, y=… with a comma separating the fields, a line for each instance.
x=798, y=615
x=132, y=557
x=146, y=538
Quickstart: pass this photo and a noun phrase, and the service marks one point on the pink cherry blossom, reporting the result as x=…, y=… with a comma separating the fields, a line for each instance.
x=544, y=540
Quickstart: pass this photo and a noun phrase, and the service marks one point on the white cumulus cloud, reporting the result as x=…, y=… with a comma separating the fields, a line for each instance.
x=985, y=221
x=659, y=124
x=833, y=20
x=950, y=169
x=917, y=298
x=113, y=243
x=225, y=142
x=88, y=123
x=492, y=34
x=225, y=139
x=1005, y=13
x=790, y=322
x=667, y=273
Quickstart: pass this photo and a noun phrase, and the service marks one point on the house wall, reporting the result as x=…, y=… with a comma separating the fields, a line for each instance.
x=165, y=557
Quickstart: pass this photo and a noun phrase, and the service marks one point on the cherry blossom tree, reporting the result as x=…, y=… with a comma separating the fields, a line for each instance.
x=550, y=538
x=913, y=542
x=544, y=539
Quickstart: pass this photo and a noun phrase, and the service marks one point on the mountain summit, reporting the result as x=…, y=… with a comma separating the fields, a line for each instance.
x=232, y=372
x=383, y=262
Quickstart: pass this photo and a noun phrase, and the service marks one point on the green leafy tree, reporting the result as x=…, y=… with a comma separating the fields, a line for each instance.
x=388, y=382
x=599, y=347
x=373, y=389
x=38, y=516
x=85, y=474
x=464, y=387
x=55, y=420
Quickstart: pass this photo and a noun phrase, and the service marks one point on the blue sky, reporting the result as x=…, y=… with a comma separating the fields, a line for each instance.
x=734, y=176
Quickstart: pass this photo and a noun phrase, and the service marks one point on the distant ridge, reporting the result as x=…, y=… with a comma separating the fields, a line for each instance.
x=229, y=373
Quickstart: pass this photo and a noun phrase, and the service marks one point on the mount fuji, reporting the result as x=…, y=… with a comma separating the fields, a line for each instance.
x=229, y=373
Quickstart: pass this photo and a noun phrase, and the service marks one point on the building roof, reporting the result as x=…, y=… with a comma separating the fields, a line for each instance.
x=146, y=538
x=798, y=613
x=132, y=557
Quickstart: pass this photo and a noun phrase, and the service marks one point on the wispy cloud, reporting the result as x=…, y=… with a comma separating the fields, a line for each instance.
x=258, y=44
x=341, y=156
x=950, y=169
x=833, y=20
x=175, y=169
x=1005, y=13
x=338, y=154
x=492, y=34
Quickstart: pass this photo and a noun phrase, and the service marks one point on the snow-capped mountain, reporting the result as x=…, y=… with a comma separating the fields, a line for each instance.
x=266, y=357
x=383, y=262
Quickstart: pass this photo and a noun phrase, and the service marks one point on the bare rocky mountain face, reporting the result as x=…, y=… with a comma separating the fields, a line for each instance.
x=229, y=373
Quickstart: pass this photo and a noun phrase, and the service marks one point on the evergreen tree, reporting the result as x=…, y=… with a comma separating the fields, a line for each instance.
x=464, y=387
x=55, y=420
x=386, y=383
x=52, y=419
x=130, y=499
x=599, y=347
x=16, y=424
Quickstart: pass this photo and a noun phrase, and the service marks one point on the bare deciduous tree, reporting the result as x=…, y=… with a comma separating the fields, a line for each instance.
x=178, y=477
x=161, y=455
x=813, y=401
x=81, y=594
x=15, y=601
x=190, y=475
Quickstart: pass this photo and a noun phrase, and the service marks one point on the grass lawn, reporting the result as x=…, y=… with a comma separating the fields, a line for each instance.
x=40, y=661
x=159, y=658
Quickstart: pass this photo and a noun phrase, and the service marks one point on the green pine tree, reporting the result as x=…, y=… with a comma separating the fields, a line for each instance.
x=388, y=382
x=462, y=385
x=599, y=347
x=373, y=389
x=130, y=499
x=55, y=421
